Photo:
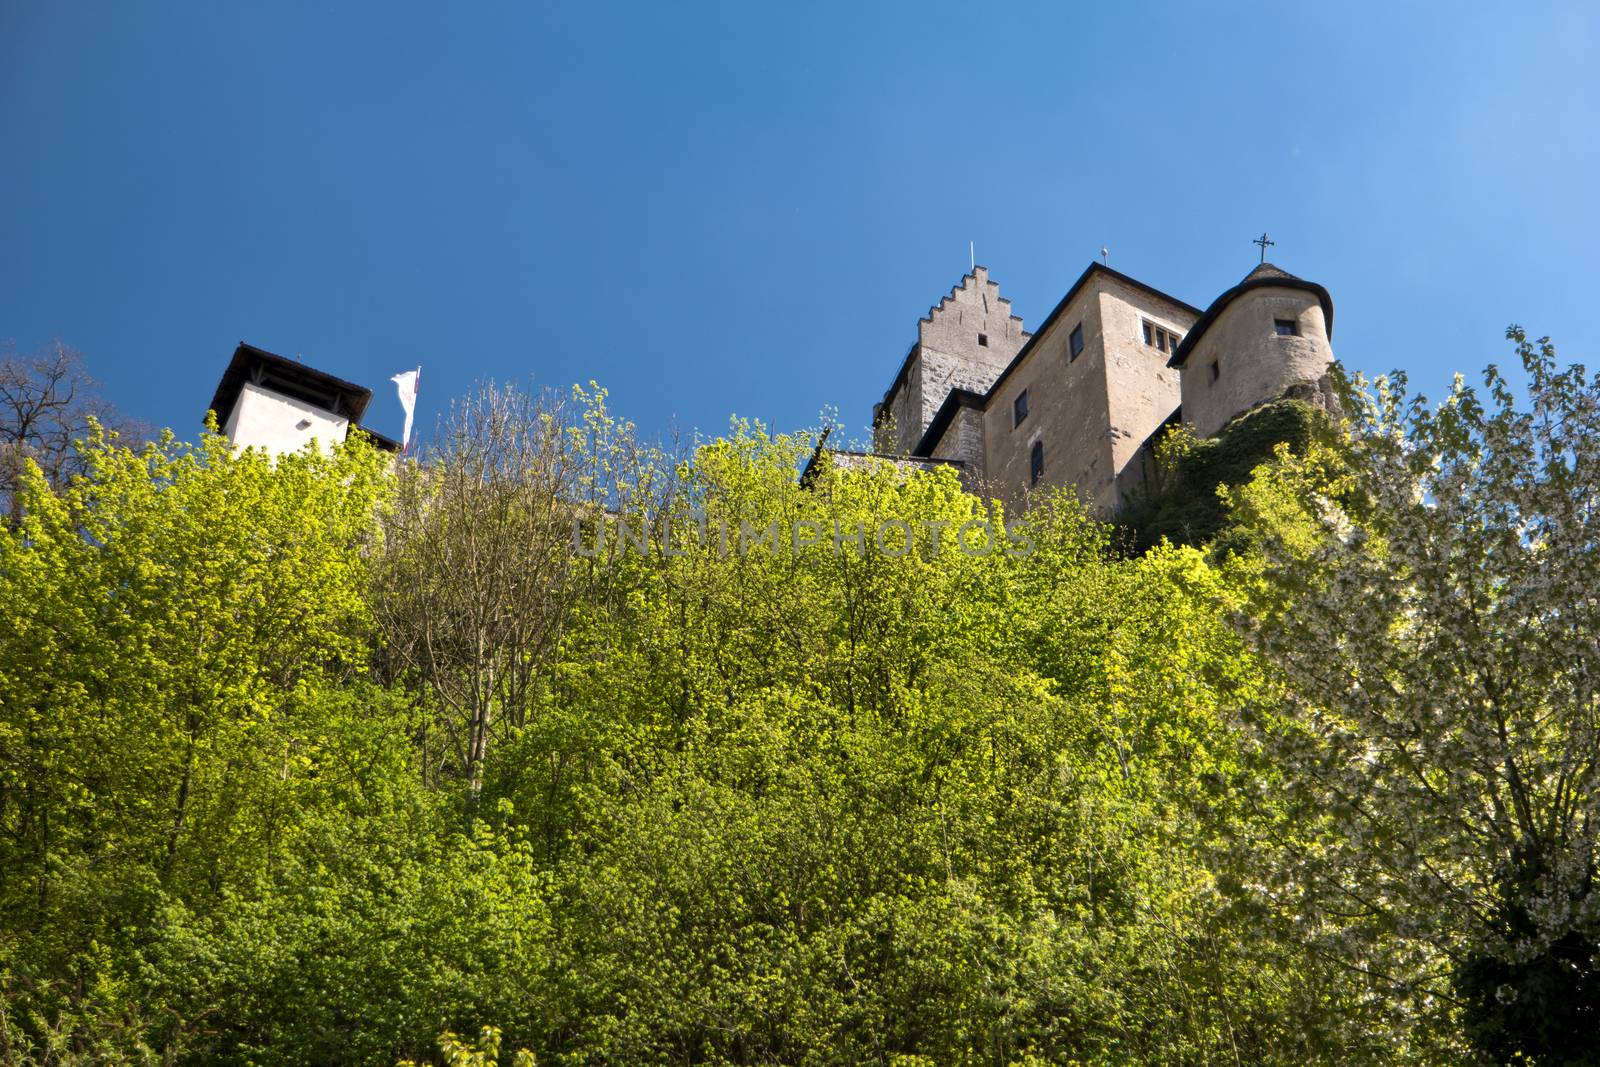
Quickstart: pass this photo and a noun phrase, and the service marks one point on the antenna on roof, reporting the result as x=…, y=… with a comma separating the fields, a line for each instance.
x=972, y=254
x=1105, y=255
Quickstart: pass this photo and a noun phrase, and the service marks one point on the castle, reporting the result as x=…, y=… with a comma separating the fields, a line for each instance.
x=1081, y=401
x=1078, y=403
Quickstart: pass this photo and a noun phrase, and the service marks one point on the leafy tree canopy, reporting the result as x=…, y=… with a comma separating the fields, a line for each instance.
x=616, y=756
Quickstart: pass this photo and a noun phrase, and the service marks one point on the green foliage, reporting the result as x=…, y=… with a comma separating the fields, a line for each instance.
x=485, y=1052
x=363, y=946
x=1423, y=596
x=300, y=762
x=182, y=641
x=840, y=807
x=1182, y=504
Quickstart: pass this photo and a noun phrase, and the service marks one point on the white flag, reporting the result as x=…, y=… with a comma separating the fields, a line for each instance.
x=407, y=384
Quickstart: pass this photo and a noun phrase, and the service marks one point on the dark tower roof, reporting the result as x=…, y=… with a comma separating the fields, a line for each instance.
x=282, y=375
x=1266, y=276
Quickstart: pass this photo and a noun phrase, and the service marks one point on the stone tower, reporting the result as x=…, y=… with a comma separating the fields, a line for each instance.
x=1266, y=337
x=963, y=343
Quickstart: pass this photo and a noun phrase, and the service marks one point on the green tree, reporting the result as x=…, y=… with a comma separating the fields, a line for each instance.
x=182, y=646
x=485, y=1052
x=819, y=804
x=479, y=577
x=1428, y=599
x=843, y=772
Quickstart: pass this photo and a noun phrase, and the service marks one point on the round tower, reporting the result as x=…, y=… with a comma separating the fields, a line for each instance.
x=1267, y=337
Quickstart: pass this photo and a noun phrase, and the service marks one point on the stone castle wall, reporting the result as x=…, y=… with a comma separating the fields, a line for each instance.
x=1094, y=414
x=1067, y=413
x=1142, y=392
x=962, y=439
x=1254, y=364
x=964, y=342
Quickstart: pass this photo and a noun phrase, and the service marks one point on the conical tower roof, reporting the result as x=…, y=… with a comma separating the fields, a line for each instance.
x=1270, y=270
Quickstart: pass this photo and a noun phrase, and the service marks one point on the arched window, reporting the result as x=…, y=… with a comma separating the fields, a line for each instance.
x=1036, y=463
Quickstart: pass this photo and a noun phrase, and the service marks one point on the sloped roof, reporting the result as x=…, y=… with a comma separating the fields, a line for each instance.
x=1265, y=276
x=290, y=378
x=1269, y=270
x=379, y=440
x=954, y=401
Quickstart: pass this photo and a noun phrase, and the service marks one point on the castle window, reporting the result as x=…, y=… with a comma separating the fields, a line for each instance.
x=983, y=339
x=1286, y=327
x=1036, y=463
x=1019, y=408
x=1159, y=338
x=1075, y=344
x=1216, y=368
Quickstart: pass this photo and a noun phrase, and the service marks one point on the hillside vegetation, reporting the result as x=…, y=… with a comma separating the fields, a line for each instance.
x=315, y=761
x=1181, y=503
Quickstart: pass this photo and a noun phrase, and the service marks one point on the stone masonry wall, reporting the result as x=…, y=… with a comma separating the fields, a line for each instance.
x=1255, y=365
x=950, y=355
x=963, y=439
x=897, y=422
x=1142, y=392
x=1066, y=409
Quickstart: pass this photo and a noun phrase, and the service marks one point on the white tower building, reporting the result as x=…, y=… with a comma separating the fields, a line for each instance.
x=273, y=403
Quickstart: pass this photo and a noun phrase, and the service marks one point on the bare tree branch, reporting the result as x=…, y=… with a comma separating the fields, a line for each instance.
x=47, y=400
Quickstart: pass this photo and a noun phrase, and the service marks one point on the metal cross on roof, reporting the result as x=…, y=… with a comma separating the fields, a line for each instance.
x=1263, y=242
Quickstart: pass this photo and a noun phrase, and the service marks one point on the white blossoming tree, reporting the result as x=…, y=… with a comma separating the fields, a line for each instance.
x=1430, y=595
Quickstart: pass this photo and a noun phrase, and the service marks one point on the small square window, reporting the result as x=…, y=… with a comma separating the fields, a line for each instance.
x=1161, y=339
x=1036, y=463
x=1286, y=327
x=983, y=339
x=1149, y=334
x=1019, y=408
x=1216, y=369
x=1075, y=344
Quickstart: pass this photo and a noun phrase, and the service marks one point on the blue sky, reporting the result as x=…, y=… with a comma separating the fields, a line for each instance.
x=743, y=208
